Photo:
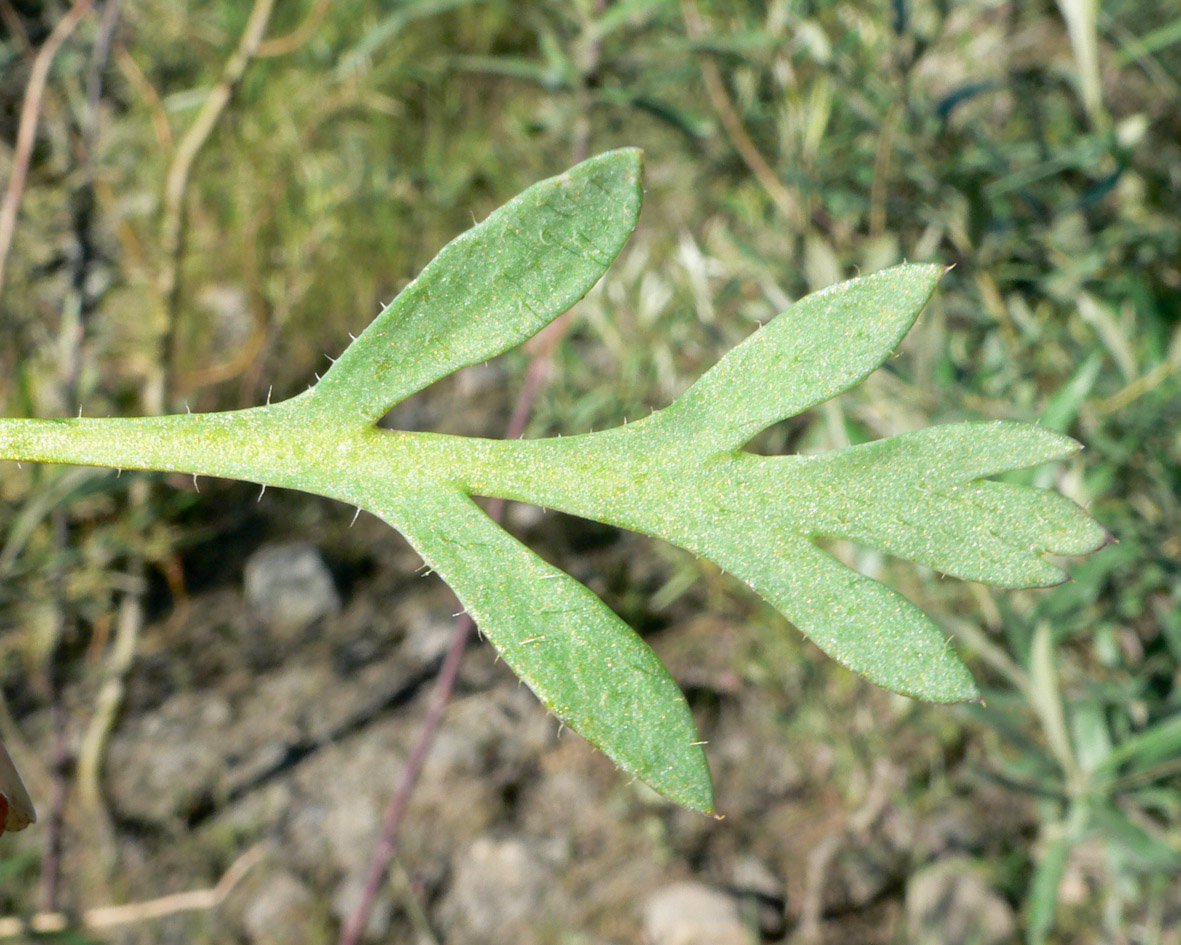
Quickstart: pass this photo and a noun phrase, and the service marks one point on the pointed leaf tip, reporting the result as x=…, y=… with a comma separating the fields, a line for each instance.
x=856, y=620
x=490, y=288
x=921, y=496
x=581, y=660
x=822, y=345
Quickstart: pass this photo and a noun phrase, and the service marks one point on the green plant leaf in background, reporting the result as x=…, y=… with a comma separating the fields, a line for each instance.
x=680, y=474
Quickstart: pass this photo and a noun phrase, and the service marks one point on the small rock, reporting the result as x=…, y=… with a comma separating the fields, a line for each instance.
x=335, y=826
x=289, y=587
x=429, y=632
x=950, y=903
x=691, y=913
x=762, y=897
x=859, y=874
x=479, y=380
x=948, y=831
x=496, y=890
x=161, y=772
x=282, y=912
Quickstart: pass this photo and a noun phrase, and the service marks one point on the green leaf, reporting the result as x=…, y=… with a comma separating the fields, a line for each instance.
x=680, y=474
x=823, y=345
x=1045, y=695
x=588, y=666
x=1154, y=745
x=857, y=621
x=491, y=288
x=1043, y=888
x=1132, y=841
x=917, y=496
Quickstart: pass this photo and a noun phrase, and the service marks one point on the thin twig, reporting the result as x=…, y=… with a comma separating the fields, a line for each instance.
x=784, y=199
x=1144, y=384
x=387, y=845
x=176, y=185
x=94, y=741
x=155, y=104
x=71, y=334
x=27, y=132
x=816, y=874
x=846, y=826
x=60, y=759
x=110, y=697
x=55, y=822
x=13, y=21
x=99, y=58
x=75, y=307
x=110, y=917
x=289, y=42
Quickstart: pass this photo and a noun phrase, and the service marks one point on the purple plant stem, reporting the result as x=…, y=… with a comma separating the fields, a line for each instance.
x=387, y=845
x=395, y=812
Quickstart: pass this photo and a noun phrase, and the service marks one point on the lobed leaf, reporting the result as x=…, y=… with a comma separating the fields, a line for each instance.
x=822, y=345
x=681, y=475
x=491, y=288
x=856, y=620
x=957, y=452
x=914, y=496
x=589, y=667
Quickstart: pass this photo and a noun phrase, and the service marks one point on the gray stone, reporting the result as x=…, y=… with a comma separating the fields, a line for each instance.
x=761, y=897
x=950, y=903
x=692, y=913
x=495, y=892
x=282, y=911
x=429, y=632
x=164, y=766
x=289, y=587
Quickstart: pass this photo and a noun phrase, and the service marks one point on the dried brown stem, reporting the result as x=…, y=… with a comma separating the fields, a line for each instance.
x=176, y=185
x=543, y=347
x=110, y=917
x=155, y=104
x=719, y=98
x=60, y=760
x=129, y=621
x=13, y=21
x=1142, y=385
x=387, y=845
x=27, y=131
x=289, y=42
x=55, y=822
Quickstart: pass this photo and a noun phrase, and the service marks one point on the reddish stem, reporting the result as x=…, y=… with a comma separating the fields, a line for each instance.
x=387, y=844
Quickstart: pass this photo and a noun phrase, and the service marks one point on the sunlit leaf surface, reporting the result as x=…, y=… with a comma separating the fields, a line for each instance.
x=680, y=474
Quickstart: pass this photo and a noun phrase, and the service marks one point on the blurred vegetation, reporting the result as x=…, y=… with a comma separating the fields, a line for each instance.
x=1036, y=146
